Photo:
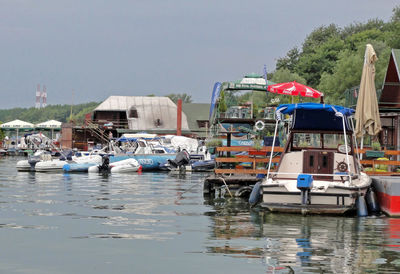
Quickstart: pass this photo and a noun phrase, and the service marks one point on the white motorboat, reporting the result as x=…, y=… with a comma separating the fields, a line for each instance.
x=319, y=170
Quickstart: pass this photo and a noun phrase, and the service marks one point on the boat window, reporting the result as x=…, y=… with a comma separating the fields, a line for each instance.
x=307, y=140
x=311, y=160
x=133, y=112
x=141, y=144
x=334, y=140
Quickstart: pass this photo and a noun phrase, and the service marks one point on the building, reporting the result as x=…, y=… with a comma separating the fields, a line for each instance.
x=389, y=104
x=132, y=114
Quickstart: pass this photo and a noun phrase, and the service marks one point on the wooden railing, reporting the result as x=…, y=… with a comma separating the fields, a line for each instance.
x=372, y=163
x=260, y=157
x=254, y=157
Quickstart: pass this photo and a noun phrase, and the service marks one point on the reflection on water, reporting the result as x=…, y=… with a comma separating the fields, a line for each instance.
x=287, y=243
x=157, y=223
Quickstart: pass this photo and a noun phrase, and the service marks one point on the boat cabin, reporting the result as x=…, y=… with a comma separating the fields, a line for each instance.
x=317, y=143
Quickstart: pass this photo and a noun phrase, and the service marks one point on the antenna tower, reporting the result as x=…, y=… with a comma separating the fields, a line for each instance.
x=37, y=105
x=44, y=97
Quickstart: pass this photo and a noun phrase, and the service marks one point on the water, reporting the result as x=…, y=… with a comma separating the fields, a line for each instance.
x=158, y=223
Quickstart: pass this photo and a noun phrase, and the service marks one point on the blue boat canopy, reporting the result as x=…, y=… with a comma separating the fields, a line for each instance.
x=314, y=116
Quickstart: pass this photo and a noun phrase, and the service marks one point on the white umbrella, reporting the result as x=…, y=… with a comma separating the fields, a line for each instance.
x=367, y=110
x=17, y=125
x=51, y=124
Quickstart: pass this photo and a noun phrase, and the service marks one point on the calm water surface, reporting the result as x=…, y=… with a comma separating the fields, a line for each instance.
x=159, y=223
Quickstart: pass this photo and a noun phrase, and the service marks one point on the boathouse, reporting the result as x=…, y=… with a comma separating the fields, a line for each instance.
x=131, y=114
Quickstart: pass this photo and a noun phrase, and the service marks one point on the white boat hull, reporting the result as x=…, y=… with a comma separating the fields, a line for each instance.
x=23, y=165
x=50, y=166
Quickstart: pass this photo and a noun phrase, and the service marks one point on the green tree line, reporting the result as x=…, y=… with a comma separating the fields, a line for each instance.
x=60, y=113
x=331, y=58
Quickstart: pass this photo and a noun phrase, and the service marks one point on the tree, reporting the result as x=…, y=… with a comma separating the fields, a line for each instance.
x=396, y=14
x=290, y=61
x=221, y=103
x=185, y=97
x=322, y=59
x=319, y=36
x=348, y=69
x=284, y=75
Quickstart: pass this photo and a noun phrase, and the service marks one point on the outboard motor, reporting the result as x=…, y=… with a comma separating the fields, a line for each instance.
x=181, y=159
x=105, y=165
x=305, y=184
x=66, y=156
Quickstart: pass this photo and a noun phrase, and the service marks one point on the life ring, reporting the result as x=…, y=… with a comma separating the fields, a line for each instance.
x=260, y=125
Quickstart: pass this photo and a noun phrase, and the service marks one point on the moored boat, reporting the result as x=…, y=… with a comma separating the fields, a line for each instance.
x=387, y=190
x=123, y=166
x=319, y=170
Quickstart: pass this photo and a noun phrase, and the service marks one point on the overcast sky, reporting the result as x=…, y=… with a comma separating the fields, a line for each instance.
x=99, y=48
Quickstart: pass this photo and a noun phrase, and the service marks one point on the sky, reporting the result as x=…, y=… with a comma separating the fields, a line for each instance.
x=87, y=50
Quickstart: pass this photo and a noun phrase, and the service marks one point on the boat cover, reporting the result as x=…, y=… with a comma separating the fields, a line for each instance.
x=315, y=116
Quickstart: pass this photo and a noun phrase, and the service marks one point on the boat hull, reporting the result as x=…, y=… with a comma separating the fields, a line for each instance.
x=333, y=200
x=50, y=166
x=147, y=161
x=388, y=193
x=24, y=165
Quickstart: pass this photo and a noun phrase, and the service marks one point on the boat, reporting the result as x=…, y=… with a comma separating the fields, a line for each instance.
x=76, y=163
x=123, y=166
x=30, y=163
x=82, y=163
x=319, y=171
x=149, y=154
x=387, y=190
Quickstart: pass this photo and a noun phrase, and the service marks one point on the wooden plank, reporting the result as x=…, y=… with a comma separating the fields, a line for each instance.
x=387, y=152
x=246, y=159
x=247, y=148
x=382, y=173
x=380, y=162
x=241, y=171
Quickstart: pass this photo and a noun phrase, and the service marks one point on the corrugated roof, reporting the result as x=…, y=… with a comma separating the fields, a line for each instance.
x=154, y=113
x=195, y=112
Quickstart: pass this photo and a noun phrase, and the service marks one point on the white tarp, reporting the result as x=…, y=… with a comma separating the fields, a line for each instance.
x=183, y=142
x=50, y=124
x=17, y=124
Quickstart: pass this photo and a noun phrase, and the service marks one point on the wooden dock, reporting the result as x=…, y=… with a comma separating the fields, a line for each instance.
x=238, y=173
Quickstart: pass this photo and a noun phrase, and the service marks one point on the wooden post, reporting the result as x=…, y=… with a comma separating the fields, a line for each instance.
x=179, y=118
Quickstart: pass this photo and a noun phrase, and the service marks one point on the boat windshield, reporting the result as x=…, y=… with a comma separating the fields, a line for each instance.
x=318, y=140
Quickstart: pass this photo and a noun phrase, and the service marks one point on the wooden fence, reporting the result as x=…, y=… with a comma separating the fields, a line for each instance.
x=260, y=156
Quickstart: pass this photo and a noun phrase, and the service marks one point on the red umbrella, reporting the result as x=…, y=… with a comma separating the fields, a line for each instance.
x=294, y=88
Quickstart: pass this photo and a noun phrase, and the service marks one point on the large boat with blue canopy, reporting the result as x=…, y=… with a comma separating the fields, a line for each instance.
x=319, y=170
